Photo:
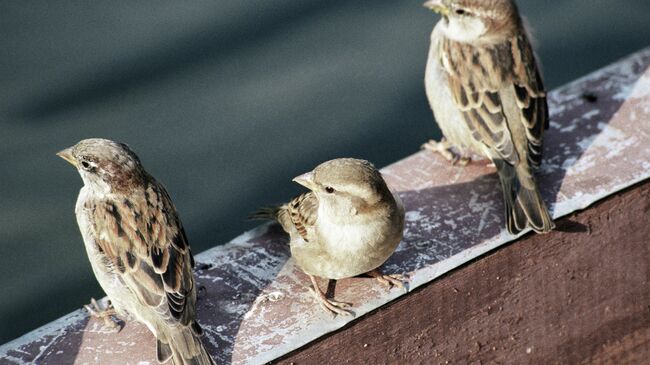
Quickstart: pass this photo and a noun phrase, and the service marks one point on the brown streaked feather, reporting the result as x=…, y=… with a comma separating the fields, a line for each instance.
x=143, y=239
x=299, y=214
x=477, y=73
x=149, y=287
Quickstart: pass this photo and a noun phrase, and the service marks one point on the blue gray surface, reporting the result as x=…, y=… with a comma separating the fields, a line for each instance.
x=225, y=102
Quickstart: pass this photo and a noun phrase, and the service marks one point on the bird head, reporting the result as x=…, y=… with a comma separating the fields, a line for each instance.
x=345, y=185
x=104, y=165
x=476, y=21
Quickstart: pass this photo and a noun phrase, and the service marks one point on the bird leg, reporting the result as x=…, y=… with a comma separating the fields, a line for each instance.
x=444, y=148
x=329, y=305
x=106, y=314
x=398, y=280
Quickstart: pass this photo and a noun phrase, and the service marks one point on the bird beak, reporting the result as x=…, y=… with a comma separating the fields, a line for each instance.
x=438, y=6
x=66, y=154
x=306, y=180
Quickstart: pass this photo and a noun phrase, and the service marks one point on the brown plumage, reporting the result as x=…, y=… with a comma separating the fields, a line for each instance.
x=488, y=97
x=347, y=225
x=137, y=247
x=301, y=213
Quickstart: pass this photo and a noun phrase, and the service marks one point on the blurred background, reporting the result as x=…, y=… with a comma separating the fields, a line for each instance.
x=224, y=101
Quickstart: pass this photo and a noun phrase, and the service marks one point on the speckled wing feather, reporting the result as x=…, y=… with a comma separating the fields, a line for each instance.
x=299, y=215
x=499, y=91
x=144, y=242
x=478, y=74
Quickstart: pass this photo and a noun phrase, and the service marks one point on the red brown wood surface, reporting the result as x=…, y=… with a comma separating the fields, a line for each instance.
x=580, y=294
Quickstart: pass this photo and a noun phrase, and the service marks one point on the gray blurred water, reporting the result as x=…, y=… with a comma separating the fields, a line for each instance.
x=224, y=101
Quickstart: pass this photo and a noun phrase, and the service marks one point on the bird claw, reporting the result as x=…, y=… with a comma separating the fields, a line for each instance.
x=444, y=148
x=397, y=280
x=108, y=314
x=461, y=161
x=331, y=306
x=335, y=308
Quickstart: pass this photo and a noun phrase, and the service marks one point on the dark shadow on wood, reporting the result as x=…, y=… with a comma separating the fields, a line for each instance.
x=50, y=349
x=564, y=148
x=569, y=226
x=224, y=286
x=224, y=298
x=543, y=299
x=331, y=289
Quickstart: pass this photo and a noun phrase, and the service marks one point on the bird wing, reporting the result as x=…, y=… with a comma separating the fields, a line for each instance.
x=144, y=242
x=300, y=214
x=477, y=77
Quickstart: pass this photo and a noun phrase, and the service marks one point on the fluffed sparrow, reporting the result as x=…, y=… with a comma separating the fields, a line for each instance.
x=137, y=247
x=347, y=225
x=488, y=97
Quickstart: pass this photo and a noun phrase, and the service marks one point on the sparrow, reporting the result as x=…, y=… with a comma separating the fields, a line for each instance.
x=137, y=247
x=488, y=97
x=348, y=224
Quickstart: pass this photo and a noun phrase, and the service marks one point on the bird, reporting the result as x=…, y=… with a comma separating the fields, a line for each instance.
x=348, y=224
x=137, y=248
x=488, y=98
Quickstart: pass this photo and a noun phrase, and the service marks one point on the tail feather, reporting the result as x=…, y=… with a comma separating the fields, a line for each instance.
x=277, y=214
x=533, y=206
x=163, y=351
x=265, y=213
x=184, y=347
x=523, y=203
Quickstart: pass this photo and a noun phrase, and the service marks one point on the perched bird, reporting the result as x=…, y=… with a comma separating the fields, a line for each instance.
x=347, y=225
x=137, y=247
x=487, y=95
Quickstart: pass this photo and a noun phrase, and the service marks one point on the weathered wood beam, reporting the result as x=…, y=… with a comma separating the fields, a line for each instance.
x=532, y=296
x=580, y=295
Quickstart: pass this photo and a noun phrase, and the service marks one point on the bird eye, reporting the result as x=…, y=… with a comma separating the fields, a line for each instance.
x=461, y=11
x=329, y=189
x=85, y=164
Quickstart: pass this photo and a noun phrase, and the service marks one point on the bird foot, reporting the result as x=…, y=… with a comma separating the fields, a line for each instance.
x=444, y=148
x=397, y=280
x=108, y=314
x=331, y=306
x=462, y=161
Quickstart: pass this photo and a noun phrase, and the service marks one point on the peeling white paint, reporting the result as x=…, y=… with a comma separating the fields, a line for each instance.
x=413, y=216
x=614, y=155
x=52, y=331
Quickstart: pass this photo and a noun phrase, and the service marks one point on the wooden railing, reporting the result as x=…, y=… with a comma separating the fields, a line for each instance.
x=578, y=294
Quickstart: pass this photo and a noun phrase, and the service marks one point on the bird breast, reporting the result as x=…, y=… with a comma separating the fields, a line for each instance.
x=351, y=237
x=448, y=116
x=349, y=249
x=110, y=282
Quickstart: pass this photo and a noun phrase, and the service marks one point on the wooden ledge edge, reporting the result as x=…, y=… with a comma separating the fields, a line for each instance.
x=576, y=295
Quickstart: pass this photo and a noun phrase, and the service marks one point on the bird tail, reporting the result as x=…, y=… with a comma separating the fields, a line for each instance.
x=183, y=345
x=523, y=202
x=279, y=214
x=265, y=214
